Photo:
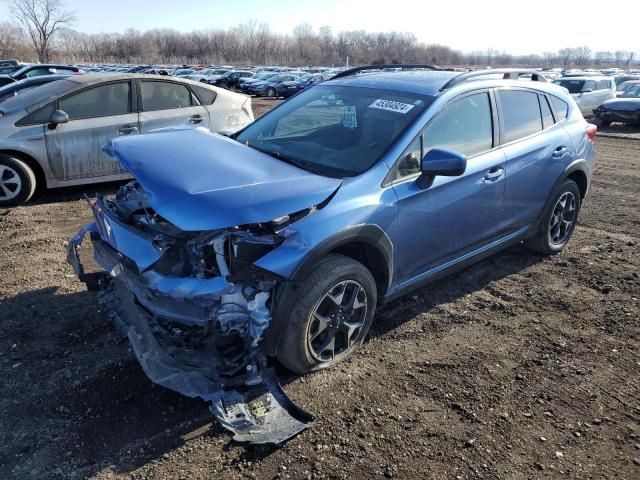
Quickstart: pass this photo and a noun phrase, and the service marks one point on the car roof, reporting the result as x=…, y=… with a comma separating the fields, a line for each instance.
x=423, y=82
x=432, y=82
x=92, y=78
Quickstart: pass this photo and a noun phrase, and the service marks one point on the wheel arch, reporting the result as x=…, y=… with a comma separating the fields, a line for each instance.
x=32, y=163
x=368, y=244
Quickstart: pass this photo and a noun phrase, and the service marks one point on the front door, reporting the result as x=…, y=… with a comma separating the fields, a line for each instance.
x=169, y=104
x=96, y=116
x=454, y=215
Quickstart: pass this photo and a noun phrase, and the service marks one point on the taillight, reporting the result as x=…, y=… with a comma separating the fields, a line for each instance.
x=591, y=130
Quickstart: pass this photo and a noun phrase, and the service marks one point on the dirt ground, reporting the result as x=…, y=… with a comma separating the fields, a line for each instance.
x=520, y=367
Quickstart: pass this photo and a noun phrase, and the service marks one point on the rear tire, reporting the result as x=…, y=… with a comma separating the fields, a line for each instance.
x=336, y=301
x=558, y=220
x=17, y=181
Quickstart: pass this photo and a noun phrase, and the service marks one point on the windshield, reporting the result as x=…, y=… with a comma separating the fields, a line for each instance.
x=36, y=96
x=632, y=92
x=574, y=86
x=335, y=131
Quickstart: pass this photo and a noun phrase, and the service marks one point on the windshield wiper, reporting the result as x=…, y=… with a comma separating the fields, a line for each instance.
x=296, y=162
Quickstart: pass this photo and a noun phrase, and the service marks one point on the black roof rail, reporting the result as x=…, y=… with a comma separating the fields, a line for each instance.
x=507, y=74
x=353, y=71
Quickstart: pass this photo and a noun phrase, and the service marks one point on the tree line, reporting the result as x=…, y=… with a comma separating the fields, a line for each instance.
x=41, y=32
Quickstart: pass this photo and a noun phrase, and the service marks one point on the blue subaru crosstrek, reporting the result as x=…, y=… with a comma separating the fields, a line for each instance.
x=281, y=241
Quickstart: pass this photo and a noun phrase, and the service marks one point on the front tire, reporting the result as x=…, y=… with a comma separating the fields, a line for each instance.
x=558, y=220
x=330, y=315
x=271, y=92
x=17, y=181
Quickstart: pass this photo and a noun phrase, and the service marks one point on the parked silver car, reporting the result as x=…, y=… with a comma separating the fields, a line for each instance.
x=53, y=135
x=589, y=92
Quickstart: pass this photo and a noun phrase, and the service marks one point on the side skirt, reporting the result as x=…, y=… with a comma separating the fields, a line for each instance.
x=459, y=263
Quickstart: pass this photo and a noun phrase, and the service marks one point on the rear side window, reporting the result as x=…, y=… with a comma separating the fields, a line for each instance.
x=547, y=117
x=560, y=107
x=164, y=96
x=520, y=114
x=604, y=84
x=464, y=126
x=205, y=95
x=102, y=101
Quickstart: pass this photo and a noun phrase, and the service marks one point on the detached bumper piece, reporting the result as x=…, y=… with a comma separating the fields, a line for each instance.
x=189, y=340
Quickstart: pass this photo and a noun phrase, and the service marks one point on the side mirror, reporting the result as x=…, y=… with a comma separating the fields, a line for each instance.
x=56, y=118
x=439, y=161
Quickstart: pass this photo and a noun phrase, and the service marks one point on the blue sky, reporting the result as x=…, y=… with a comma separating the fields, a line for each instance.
x=515, y=26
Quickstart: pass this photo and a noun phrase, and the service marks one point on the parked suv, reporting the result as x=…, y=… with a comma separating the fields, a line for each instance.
x=589, y=92
x=283, y=240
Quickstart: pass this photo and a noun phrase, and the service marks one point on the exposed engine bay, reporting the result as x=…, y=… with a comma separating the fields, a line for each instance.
x=195, y=308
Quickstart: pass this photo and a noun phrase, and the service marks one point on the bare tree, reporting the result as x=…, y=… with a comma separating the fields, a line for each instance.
x=41, y=20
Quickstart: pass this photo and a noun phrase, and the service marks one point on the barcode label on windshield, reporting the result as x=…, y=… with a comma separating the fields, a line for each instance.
x=392, y=106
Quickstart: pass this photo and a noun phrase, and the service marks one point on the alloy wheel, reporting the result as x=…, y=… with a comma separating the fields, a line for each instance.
x=562, y=218
x=10, y=183
x=336, y=321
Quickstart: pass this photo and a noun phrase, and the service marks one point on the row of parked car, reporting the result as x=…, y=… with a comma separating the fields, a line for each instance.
x=73, y=113
x=609, y=98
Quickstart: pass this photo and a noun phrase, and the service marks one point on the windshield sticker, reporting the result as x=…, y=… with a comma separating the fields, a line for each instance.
x=392, y=106
x=349, y=119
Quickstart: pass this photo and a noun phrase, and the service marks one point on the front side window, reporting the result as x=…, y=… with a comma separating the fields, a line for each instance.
x=465, y=126
x=334, y=130
x=102, y=101
x=164, y=96
x=520, y=114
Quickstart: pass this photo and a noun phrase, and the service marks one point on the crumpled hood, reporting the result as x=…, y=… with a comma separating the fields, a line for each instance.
x=624, y=104
x=199, y=180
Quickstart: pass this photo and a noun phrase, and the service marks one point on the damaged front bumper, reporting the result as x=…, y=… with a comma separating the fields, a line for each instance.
x=198, y=336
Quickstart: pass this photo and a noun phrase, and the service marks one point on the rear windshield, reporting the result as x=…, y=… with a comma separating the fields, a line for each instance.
x=574, y=86
x=37, y=96
x=335, y=131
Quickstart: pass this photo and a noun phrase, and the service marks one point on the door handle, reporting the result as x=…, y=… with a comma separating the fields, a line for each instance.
x=559, y=152
x=494, y=174
x=195, y=119
x=127, y=129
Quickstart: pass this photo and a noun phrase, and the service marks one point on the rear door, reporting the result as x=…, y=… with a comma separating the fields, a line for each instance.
x=96, y=115
x=537, y=150
x=169, y=104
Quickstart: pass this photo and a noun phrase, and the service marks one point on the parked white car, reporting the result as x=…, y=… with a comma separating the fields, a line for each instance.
x=589, y=92
x=53, y=134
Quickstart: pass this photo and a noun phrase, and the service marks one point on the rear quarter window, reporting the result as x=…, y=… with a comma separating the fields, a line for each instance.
x=205, y=95
x=560, y=107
